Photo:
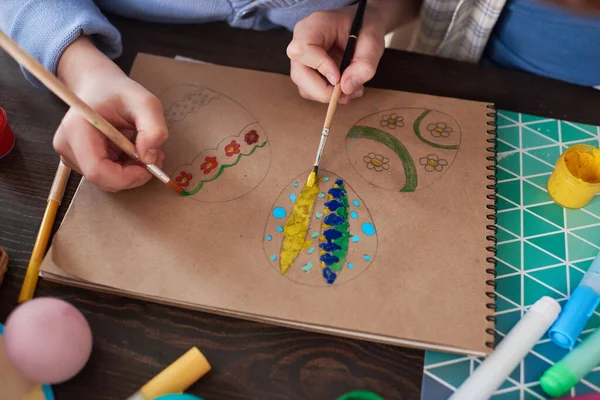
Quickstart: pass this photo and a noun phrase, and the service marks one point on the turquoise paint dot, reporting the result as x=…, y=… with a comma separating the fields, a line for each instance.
x=321, y=195
x=293, y=197
x=269, y=238
x=307, y=267
x=325, y=178
x=279, y=228
x=311, y=250
x=314, y=235
x=354, y=214
x=273, y=257
x=368, y=228
x=319, y=215
x=355, y=238
x=352, y=138
x=279, y=212
x=350, y=265
x=295, y=184
x=367, y=257
x=356, y=203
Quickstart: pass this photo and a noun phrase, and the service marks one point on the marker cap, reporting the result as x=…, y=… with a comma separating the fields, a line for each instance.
x=574, y=317
x=558, y=380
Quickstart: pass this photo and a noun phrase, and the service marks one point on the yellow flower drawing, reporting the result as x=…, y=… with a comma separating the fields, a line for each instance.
x=441, y=129
x=433, y=163
x=377, y=162
x=392, y=121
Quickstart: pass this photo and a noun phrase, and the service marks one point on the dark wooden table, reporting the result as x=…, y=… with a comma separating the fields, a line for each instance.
x=134, y=340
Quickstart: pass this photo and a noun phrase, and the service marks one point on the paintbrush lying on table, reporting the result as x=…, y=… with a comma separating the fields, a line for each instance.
x=66, y=95
x=337, y=90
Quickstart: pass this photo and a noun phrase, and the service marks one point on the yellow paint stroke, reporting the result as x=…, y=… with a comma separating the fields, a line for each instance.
x=296, y=227
x=576, y=178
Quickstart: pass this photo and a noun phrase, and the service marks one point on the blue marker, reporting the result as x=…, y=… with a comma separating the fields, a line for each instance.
x=579, y=309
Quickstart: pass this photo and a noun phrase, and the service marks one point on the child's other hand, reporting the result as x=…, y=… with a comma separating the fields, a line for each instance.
x=318, y=46
x=127, y=105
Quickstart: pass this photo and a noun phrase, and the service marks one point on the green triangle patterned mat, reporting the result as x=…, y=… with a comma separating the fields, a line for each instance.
x=542, y=250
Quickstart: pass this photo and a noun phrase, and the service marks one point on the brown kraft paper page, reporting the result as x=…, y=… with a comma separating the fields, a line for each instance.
x=406, y=263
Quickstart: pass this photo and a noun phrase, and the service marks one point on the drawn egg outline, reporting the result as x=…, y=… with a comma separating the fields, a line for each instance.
x=408, y=124
x=266, y=150
x=360, y=264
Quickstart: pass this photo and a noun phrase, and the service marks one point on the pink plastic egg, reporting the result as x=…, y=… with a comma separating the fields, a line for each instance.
x=47, y=340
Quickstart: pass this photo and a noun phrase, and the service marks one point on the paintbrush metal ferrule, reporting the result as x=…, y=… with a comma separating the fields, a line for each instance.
x=324, y=135
x=159, y=173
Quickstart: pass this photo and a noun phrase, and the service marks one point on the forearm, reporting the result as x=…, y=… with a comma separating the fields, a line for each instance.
x=395, y=13
x=82, y=59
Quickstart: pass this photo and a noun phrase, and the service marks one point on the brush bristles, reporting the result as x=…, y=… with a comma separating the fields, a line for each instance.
x=175, y=187
x=312, y=178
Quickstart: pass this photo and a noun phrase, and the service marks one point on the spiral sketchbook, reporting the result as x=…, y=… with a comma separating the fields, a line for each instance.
x=394, y=245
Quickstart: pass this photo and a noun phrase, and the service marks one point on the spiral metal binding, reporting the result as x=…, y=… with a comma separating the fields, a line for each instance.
x=491, y=227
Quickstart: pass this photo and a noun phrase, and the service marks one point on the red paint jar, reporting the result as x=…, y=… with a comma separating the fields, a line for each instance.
x=7, y=138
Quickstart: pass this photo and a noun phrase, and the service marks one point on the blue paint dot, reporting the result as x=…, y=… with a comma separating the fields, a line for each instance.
x=356, y=203
x=279, y=228
x=273, y=257
x=350, y=265
x=293, y=197
x=325, y=178
x=368, y=229
x=279, y=212
x=355, y=238
x=295, y=184
x=354, y=214
x=329, y=275
x=321, y=195
x=269, y=238
x=314, y=235
x=352, y=138
x=367, y=257
x=307, y=267
x=319, y=215
x=311, y=250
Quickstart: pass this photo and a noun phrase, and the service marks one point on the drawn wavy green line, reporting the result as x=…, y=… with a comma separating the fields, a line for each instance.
x=395, y=145
x=417, y=129
x=221, y=169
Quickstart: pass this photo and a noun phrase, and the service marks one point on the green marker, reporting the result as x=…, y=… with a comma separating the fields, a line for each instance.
x=565, y=374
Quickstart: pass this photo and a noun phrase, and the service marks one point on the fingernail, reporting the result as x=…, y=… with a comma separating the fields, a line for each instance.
x=358, y=93
x=351, y=86
x=151, y=156
x=332, y=79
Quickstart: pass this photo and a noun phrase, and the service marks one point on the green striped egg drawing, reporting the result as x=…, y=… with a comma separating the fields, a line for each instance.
x=403, y=149
x=359, y=234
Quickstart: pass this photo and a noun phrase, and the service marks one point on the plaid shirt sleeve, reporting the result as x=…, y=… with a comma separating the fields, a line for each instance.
x=457, y=29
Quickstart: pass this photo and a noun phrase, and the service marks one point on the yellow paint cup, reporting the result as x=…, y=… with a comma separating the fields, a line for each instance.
x=576, y=178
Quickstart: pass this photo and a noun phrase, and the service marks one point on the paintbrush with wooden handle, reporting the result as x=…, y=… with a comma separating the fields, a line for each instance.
x=66, y=95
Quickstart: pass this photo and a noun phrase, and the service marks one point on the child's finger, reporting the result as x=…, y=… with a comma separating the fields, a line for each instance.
x=91, y=154
x=369, y=49
x=308, y=48
x=146, y=112
x=310, y=83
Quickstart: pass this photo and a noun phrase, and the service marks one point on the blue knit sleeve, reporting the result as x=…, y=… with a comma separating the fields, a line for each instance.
x=45, y=28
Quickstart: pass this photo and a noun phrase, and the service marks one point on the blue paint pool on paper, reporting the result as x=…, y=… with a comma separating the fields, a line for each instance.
x=319, y=215
x=350, y=265
x=273, y=257
x=279, y=212
x=314, y=235
x=333, y=219
x=333, y=205
x=322, y=195
x=279, y=228
x=330, y=246
x=354, y=214
x=325, y=178
x=355, y=238
x=332, y=234
x=269, y=238
x=329, y=259
x=355, y=203
x=307, y=267
x=329, y=275
x=336, y=193
x=295, y=184
x=293, y=197
x=367, y=257
x=368, y=229
x=311, y=250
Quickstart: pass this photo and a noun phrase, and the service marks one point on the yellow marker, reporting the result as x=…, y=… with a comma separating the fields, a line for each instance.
x=176, y=378
x=576, y=178
x=41, y=242
x=296, y=227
